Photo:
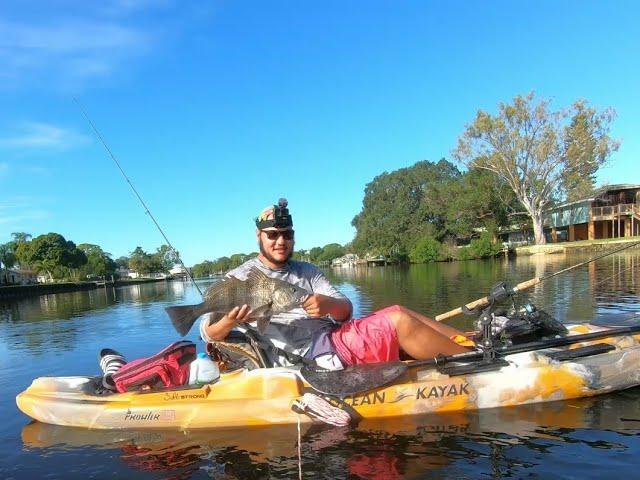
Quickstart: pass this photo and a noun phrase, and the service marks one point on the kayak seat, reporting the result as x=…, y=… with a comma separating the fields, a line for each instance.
x=238, y=350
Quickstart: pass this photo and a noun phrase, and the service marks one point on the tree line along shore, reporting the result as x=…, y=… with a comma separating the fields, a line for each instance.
x=507, y=169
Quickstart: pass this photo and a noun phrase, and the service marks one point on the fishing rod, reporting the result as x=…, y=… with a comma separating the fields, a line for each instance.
x=527, y=284
x=144, y=205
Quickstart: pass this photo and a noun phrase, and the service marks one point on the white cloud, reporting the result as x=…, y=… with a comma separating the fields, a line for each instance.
x=67, y=52
x=43, y=135
x=68, y=38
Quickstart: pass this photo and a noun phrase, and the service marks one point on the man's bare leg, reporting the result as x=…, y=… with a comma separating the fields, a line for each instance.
x=430, y=322
x=422, y=337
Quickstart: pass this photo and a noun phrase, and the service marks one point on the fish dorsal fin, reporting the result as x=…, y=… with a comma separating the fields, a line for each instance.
x=257, y=276
x=216, y=288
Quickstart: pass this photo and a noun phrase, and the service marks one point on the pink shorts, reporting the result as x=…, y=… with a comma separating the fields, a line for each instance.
x=367, y=340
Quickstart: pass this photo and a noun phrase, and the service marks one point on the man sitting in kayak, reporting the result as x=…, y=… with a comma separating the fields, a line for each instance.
x=322, y=329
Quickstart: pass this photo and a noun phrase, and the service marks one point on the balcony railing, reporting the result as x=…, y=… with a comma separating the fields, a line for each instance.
x=614, y=211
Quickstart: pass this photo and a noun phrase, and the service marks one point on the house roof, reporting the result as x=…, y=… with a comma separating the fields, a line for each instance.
x=621, y=186
x=600, y=191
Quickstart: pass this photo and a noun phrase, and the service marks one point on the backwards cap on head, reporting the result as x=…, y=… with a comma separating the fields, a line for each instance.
x=276, y=216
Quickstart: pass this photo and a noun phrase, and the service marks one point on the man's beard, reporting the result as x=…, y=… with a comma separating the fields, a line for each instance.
x=269, y=257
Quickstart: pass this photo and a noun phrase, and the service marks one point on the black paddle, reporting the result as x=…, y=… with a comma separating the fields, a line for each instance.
x=361, y=378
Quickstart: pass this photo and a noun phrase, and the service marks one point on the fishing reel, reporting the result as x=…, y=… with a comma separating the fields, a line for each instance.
x=499, y=325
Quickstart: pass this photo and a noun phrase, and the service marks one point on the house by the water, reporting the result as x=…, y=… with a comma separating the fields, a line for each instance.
x=612, y=211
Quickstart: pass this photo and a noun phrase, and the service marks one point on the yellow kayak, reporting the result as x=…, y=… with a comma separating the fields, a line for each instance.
x=615, y=413
x=267, y=396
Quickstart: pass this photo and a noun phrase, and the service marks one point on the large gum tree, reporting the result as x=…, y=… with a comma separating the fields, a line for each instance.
x=543, y=155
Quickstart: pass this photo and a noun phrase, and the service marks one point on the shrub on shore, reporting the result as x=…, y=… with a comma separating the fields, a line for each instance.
x=483, y=247
x=428, y=250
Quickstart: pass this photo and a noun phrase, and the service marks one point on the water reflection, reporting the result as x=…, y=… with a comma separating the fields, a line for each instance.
x=603, y=291
x=61, y=322
x=70, y=304
x=506, y=441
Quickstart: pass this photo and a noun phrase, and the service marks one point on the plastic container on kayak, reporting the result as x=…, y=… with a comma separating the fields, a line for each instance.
x=203, y=370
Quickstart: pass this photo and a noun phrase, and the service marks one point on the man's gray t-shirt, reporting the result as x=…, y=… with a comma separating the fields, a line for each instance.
x=290, y=331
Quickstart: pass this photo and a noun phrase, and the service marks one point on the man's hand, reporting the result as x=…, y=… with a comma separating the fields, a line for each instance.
x=318, y=305
x=315, y=305
x=237, y=315
x=219, y=330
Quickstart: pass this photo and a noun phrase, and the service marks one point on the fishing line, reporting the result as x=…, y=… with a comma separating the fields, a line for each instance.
x=146, y=209
x=527, y=284
x=558, y=303
x=586, y=262
x=299, y=451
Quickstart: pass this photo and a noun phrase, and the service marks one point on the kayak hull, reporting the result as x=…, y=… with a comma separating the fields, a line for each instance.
x=264, y=397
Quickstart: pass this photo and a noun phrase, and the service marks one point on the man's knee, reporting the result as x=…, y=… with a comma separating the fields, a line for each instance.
x=392, y=309
x=401, y=317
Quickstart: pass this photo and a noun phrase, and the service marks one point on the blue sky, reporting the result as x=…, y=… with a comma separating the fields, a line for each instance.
x=217, y=108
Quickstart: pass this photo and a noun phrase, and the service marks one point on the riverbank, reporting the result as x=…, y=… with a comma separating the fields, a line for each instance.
x=20, y=291
x=580, y=246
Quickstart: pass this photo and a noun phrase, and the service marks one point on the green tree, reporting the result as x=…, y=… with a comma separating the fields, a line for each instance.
x=331, y=251
x=140, y=261
x=479, y=200
x=203, y=269
x=222, y=264
x=301, y=255
x=483, y=247
x=21, y=237
x=403, y=206
x=426, y=250
x=122, y=262
x=585, y=150
x=21, y=245
x=164, y=259
x=48, y=252
x=314, y=253
x=49, y=266
x=236, y=259
x=539, y=153
x=7, y=255
x=99, y=263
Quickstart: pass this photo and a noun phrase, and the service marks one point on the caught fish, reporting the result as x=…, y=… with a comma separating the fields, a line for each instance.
x=265, y=296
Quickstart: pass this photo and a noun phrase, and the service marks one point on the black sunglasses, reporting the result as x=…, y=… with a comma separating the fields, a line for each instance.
x=274, y=234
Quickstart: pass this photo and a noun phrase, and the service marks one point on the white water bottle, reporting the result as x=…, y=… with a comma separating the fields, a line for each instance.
x=203, y=370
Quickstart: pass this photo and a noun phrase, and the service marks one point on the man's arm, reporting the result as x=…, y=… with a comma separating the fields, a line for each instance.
x=318, y=305
x=326, y=299
x=218, y=331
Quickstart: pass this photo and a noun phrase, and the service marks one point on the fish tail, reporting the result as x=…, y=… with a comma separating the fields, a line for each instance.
x=184, y=316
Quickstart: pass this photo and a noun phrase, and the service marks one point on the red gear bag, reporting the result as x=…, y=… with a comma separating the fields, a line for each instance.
x=167, y=368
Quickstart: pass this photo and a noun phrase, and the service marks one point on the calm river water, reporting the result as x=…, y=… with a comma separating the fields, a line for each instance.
x=62, y=334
